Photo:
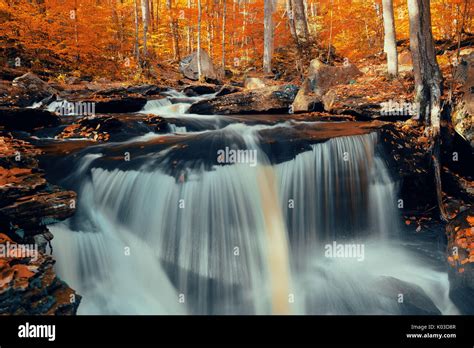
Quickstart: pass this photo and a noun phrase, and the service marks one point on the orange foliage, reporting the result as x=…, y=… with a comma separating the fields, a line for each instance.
x=97, y=37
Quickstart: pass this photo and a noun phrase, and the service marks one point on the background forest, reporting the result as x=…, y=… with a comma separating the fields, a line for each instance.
x=116, y=38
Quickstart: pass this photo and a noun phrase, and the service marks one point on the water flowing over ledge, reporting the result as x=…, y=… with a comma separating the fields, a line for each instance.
x=240, y=239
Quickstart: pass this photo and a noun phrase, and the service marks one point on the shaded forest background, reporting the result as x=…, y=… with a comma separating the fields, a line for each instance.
x=105, y=38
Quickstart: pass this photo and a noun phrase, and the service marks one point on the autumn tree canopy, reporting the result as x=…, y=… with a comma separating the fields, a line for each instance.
x=101, y=37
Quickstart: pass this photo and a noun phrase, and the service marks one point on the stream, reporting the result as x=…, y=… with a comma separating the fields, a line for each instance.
x=213, y=217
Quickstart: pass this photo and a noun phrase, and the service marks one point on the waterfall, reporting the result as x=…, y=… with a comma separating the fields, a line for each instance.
x=174, y=103
x=174, y=108
x=241, y=239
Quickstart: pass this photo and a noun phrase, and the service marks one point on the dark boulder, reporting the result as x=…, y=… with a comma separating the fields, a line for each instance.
x=27, y=119
x=197, y=90
x=146, y=90
x=118, y=105
x=141, y=90
x=275, y=99
x=29, y=89
x=415, y=300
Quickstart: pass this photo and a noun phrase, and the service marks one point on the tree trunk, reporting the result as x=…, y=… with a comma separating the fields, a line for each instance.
x=188, y=38
x=331, y=3
x=300, y=21
x=291, y=18
x=268, y=36
x=145, y=19
x=76, y=32
x=428, y=78
x=428, y=82
x=152, y=16
x=390, y=40
x=224, y=14
x=157, y=15
x=198, y=54
x=174, y=31
x=137, y=40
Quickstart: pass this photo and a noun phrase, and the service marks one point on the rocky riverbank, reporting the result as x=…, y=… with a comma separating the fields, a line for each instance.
x=28, y=203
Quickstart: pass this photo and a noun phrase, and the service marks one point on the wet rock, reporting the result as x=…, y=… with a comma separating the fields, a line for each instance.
x=142, y=90
x=27, y=119
x=284, y=143
x=18, y=182
x=40, y=208
x=264, y=100
x=319, y=80
x=29, y=285
x=197, y=90
x=460, y=250
x=147, y=90
x=29, y=89
x=96, y=128
x=17, y=153
x=116, y=105
x=102, y=128
x=159, y=124
x=185, y=151
x=189, y=67
x=415, y=300
x=27, y=201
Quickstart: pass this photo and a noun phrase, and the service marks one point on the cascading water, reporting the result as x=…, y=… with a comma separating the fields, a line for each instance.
x=341, y=192
x=242, y=239
x=176, y=104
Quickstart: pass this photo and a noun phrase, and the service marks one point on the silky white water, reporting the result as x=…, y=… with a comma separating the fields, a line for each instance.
x=243, y=240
